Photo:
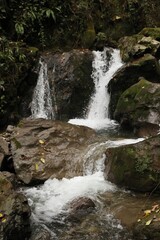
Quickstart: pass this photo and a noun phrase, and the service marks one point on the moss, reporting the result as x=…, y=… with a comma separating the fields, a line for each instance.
x=89, y=35
x=143, y=164
x=33, y=51
x=17, y=143
x=129, y=99
x=152, y=32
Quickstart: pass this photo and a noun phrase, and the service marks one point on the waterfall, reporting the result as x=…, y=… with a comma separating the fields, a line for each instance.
x=97, y=116
x=41, y=106
x=51, y=199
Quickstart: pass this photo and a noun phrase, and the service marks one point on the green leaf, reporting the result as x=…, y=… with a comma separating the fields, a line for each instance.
x=50, y=13
x=19, y=28
x=148, y=222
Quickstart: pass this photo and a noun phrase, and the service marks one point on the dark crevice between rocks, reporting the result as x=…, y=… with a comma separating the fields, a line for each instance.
x=7, y=164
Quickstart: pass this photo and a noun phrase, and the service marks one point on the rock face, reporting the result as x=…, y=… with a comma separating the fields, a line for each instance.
x=4, y=150
x=44, y=148
x=141, y=52
x=135, y=46
x=136, y=166
x=41, y=233
x=139, y=106
x=146, y=66
x=79, y=208
x=15, y=213
x=70, y=81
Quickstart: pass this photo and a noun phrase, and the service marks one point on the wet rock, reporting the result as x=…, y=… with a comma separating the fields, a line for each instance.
x=44, y=148
x=82, y=203
x=146, y=66
x=11, y=177
x=41, y=233
x=135, y=166
x=4, y=146
x=141, y=231
x=10, y=129
x=4, y=150
x=15, y=212
x=138, y=108
x=79, y=209
x=70, y=81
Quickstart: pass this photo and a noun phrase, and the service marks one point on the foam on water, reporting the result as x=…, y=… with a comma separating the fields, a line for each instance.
x=51, y=199
x=96, y=124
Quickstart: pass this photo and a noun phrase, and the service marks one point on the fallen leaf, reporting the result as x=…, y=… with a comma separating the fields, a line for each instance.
x=1, y=215
x=4, y=220
x=157, y=210
x=147, y=212
x=36, y=166
x=154, y=207
x=42, y=160
x=41, y=142
x=148, y=222
x=139, y=220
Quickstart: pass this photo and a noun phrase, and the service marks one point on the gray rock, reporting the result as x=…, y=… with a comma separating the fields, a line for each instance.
x=15, y=220
x=139, y=107
x=44, y=148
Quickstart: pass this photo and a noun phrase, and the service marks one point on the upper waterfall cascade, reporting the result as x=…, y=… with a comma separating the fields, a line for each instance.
x=41, y=106
x=103, y=70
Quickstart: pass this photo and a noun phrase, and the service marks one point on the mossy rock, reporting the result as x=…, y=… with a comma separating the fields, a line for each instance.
x=139, y=105
x=146, y=66
x=151, y=32
x=135, y=46
x=135, y=166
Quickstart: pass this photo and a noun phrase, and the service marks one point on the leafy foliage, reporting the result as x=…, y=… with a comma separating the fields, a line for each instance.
x=13, y=60
x=40, y=22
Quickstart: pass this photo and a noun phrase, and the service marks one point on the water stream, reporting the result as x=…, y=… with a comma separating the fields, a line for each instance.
x=104, y=67
x=41, y=106
x=50, y=202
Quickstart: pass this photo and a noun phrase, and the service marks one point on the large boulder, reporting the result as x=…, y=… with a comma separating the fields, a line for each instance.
x=135, y=166
x=44, y=148
x=139, y=107
x=70, y=80
x=146, y=66
x=14, y=213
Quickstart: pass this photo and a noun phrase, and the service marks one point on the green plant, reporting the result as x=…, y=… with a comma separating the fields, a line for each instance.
x=12, y=57
x=30, y=17
x=143, y=164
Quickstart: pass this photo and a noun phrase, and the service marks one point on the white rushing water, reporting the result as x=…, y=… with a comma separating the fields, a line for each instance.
x=103, y=70
x=41, y=106
x=52, y=198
